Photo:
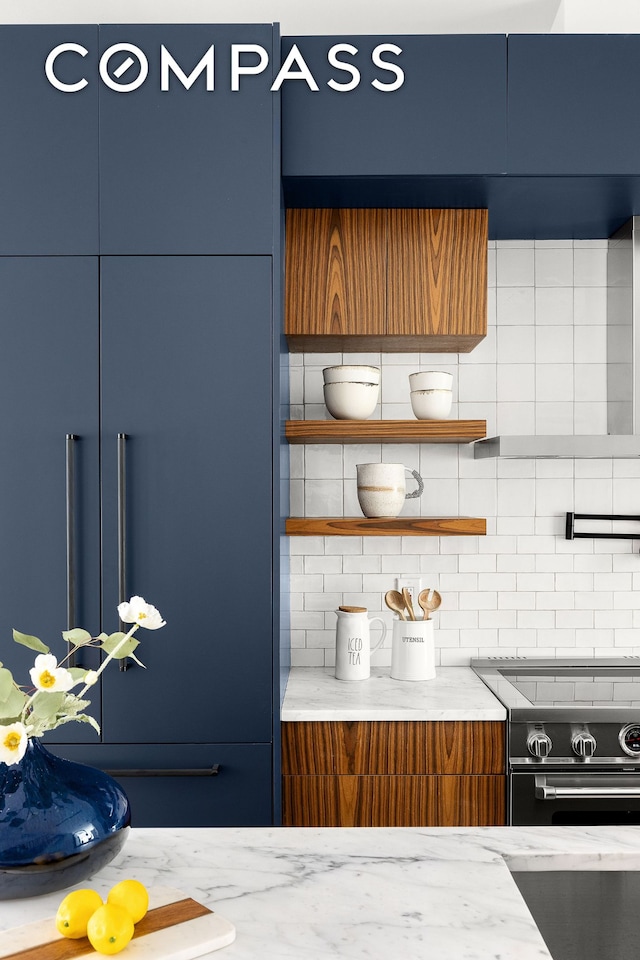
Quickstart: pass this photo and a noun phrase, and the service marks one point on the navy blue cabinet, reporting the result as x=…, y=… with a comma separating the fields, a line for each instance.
x=573, y=105
x=186, y=170
x=193, y=785
x=186, y=353
x=48, y=160
x=49, y=377
x=448, y=117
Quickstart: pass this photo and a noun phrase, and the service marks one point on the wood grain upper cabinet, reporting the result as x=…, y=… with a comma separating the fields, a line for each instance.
x=394, y=280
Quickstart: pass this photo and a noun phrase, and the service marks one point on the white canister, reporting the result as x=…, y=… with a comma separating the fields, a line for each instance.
x=353, y=643
x=412, y=650
x=382, y=489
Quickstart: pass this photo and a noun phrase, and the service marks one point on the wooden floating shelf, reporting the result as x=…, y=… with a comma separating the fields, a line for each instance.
x=385, y=526
x=385, y=431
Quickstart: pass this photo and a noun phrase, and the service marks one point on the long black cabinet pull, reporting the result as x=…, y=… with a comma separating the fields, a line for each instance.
x=171, y=772
x=71, y=538
x=122, y=529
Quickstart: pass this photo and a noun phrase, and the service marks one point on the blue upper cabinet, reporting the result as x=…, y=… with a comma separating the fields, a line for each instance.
x=49, y=136
x=447, y=118
x=187, y=169
x=573, y=105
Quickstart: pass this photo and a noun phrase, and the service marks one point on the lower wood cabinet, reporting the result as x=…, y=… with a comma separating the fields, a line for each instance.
x=393, y=773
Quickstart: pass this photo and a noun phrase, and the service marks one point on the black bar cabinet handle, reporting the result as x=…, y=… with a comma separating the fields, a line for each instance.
x=212, y=771
x=71, y=538
x=122, y=529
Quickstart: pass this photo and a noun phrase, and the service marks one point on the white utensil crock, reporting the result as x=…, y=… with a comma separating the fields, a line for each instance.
x=353, y=644
x=412, y=650
x=382, y=488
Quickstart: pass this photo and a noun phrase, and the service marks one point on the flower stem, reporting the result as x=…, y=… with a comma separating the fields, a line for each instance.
x=108, y=658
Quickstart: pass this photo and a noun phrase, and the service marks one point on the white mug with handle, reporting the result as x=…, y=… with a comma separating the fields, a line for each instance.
x=382, y=488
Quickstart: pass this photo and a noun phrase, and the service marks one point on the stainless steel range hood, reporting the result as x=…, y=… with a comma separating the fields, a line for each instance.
x=623, y=371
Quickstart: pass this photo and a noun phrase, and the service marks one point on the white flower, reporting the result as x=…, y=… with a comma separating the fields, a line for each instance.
x=47, y=675
x=90, y=677
x=137, y=610
x=13, y=742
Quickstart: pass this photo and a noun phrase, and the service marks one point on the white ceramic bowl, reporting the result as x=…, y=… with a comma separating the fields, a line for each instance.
x=354, y=373
x=351, y=401
x=431, y=404
x=431, y=380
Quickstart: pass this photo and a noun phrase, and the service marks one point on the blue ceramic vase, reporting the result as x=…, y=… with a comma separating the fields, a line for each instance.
x=60, y=822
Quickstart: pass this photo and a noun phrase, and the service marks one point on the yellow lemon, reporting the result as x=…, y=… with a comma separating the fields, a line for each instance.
x=74, y=912
x=132, y=895
x=110, y=928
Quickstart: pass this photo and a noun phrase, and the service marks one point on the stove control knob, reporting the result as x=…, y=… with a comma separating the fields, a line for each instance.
x=539, y=744
x=583, y=744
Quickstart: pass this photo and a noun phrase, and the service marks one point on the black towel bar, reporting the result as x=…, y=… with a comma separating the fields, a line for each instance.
x=571, y=534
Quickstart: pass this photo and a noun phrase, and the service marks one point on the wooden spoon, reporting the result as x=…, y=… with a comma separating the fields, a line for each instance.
x=395, y=602
x=406, y=596
x=429, y=600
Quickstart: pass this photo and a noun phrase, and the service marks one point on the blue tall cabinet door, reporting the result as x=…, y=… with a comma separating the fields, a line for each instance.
x=186, y=354
x=49, y=137
x=185, y=171
x=48, y=389
x=573, y=105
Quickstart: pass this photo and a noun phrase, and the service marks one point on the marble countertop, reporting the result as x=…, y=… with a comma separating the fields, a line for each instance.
x=358, y=894
x=313, y=693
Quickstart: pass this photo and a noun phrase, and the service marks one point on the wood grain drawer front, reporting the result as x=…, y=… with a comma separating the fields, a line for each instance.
x=405, y=801
x=393, y=747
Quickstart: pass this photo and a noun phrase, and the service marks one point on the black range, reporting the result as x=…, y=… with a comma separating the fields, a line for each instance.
x=573, y=739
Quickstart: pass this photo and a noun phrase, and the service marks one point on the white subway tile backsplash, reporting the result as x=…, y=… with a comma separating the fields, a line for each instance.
x=589, y=267
x=589, y=306
x=590, y=418
x=515, y=306
x=515, y=418
x=522, y=589
x=322, y=462
x=554, y=267
x=515, y=344
x=554, y=382
x=590, y=344
x=554, y=306
x=554, y=343
x=515, y=382
x=514, y=266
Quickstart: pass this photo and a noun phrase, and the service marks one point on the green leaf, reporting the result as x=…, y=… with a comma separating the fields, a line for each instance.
x=47, y=704
x=77, y=637
x=11, y=708
x=81, y=718
x=135, y=659
x=32, y=642
x=102, y=636
x=110, y=644
x=78, y=673
x=6, y=684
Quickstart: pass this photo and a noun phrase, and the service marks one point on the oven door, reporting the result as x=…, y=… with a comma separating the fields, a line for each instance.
x=586, y=798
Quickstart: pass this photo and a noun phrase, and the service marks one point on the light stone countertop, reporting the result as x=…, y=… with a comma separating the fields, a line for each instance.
x=313, y=693
x=358, y=894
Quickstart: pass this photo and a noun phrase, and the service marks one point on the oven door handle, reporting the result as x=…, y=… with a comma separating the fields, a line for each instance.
x=591, y=791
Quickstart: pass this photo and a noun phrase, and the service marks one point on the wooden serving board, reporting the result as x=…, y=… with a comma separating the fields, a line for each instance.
x=175, y=928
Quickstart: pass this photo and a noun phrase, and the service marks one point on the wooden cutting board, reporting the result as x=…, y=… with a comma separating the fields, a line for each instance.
x=175, y=928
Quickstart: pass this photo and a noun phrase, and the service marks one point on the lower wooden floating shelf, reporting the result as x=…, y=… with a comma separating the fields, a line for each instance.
x=385, y=526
